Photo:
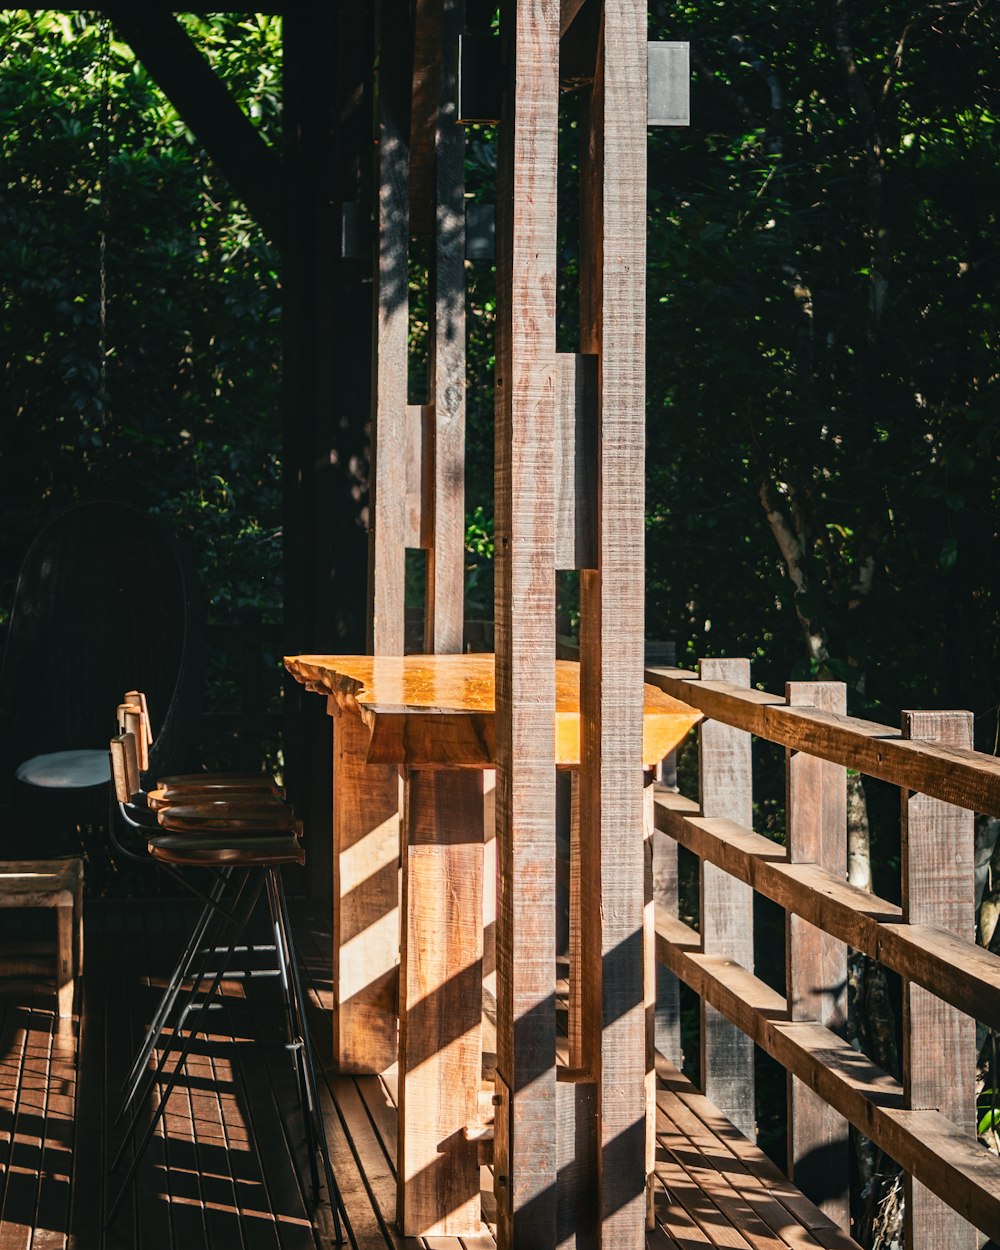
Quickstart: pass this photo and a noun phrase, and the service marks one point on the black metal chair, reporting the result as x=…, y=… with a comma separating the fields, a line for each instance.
x=247, y=850
x=105, y=602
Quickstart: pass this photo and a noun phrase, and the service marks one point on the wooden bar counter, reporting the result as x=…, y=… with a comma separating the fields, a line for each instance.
x=414, y=735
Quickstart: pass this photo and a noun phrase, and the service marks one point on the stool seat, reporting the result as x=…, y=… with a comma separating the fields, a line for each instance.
x=229, y=818
x=239, y=800
x=54, y=883
x=65, y=770
x=185, y=850
x=220, y=781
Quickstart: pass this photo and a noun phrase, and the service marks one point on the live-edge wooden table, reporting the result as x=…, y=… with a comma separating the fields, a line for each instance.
x=428, y=723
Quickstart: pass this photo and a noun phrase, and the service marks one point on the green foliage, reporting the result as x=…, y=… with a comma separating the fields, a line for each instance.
x=181, y=414
x=822, y=326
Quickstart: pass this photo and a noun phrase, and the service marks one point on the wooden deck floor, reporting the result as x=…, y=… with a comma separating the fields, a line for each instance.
x=224, y=1174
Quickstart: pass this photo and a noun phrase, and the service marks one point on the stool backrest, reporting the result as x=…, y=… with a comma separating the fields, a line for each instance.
x=132, y=721
x=125, y=767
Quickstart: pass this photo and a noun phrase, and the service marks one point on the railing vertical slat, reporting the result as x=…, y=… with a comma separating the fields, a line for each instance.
x=816, y=964
x=726, y=790
x=939, y=1042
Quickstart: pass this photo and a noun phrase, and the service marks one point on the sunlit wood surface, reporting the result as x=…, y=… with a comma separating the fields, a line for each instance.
x=222, y=1177
x=439, y=710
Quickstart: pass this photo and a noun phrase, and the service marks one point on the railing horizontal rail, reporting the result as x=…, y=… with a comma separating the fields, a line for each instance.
x=965, y=975
x=966, y=778
x=924, y=1142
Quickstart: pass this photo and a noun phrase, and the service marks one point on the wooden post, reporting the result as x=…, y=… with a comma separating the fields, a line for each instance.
x=665, y=889
x=574, y=1019
x=612, y=328
x=326, y=381
x=365, y=900
x=445, y=602
x=649, y=992
x=387, y=503
x=726, y=790
x=939, y=1042
x=816, y=964
x=441, y=1003
x=525, y=1132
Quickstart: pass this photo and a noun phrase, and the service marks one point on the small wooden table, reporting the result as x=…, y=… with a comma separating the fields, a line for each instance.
x=53, y=883
x=428, y=723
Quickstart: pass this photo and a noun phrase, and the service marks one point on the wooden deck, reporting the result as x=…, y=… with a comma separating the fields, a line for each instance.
x=224, y=1176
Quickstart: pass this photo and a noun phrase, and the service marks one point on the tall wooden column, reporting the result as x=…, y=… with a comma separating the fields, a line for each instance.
x=387, y=516
x=815, y=962
x=437, y=192
x=525, y=1151
x=939, y=1041
x=326, y=379
x=612, y=310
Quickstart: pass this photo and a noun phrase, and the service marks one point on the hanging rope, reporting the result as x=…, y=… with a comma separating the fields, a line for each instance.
x=104, y=121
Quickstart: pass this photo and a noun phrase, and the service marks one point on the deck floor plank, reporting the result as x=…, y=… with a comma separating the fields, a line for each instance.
x=228, y=1171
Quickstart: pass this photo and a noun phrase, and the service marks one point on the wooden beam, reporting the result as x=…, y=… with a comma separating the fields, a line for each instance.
x=815, y=962
x=440, y=1003
x=576, y=462
x=963, y=974
x=390, y=435
x=613, y=871
x=426, y=75
x=526, y=1133
x=726, y=915
x=966, y=778
x=445, y=601
x=939, y=1042
x=205, y=105
x=365, y=900
x=925, y=1143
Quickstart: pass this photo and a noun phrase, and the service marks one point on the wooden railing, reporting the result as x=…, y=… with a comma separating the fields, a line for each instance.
x=926, y=1122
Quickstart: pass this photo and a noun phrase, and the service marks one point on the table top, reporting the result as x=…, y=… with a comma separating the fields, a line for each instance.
x=439, y=710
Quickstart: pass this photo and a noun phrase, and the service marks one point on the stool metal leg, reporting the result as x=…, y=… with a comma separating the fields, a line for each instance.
x=313, y=1109
x=199, y=977
x=170, y=994
x=293, y=1029
x=181, y=1060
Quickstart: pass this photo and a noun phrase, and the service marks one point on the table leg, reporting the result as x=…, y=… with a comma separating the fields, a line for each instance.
x=64, y=955
x=441, y=989
x=365, y=901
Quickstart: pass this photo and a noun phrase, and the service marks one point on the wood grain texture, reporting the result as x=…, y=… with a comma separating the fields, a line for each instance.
x=441, y=997
x=365, y=902
x=426, y=69
x=612, y=327
x=725, y=784
x=440, y=710
x=525, y=399
x=939, y=1042
x=574, y=1015
x=815, y=962
x=925, y=1143
x=576, y=462
x=419, y=529
x=956, y=970
x=734, y=1193
x=387, y=500
x=957, y=775
x=445, y=587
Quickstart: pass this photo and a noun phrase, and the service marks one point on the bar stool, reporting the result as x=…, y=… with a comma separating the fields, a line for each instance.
x=134, y=718
x=249, y=816
x=256, y=857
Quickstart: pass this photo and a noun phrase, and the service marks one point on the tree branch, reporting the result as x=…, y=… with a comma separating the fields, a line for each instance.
x=202, y=100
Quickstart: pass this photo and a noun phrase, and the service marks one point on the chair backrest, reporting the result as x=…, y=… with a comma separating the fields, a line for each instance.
x=124, y=767
x=104, y=603
x=131, y=720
